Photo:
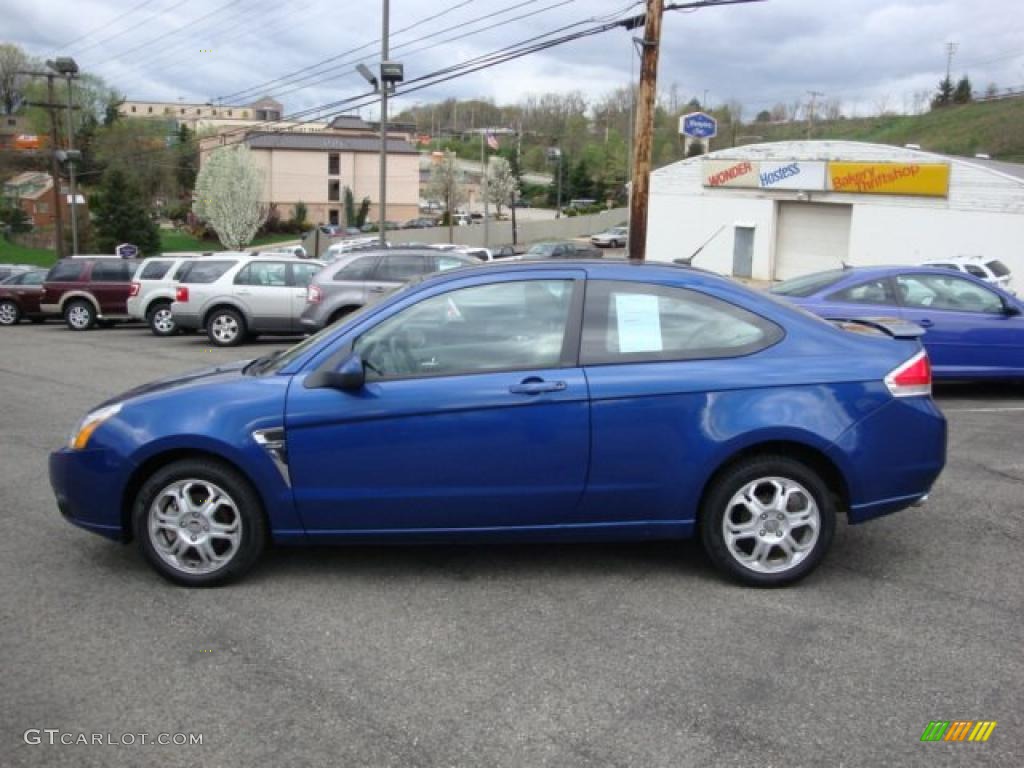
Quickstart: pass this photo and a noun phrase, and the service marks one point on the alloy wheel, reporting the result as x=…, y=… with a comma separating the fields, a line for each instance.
x=771, y=525
x=194, y=526
x=79, y=317
x=225, y=329
x=8, y=313
x=163, y=321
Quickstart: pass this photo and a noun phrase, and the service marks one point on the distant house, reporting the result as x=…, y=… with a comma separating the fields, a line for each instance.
x=34, y=193
x=16, y=134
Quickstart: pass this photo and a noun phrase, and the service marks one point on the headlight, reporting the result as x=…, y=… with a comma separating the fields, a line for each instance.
x=80, y=437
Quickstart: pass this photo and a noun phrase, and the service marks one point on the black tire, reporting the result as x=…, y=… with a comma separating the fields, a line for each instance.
x=220, y=322
x=80, y=315
x=717, y=504
x=10, y=313
x=253, y=538
x=160, y=320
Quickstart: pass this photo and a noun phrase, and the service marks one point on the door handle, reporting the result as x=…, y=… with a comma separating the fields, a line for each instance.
x=377, y=289
x=536, y=387
x=244, y=293
x=925, y=323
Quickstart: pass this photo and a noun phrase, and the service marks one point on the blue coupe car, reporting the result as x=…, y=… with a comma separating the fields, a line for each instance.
x=973, y=330
x=524, y=401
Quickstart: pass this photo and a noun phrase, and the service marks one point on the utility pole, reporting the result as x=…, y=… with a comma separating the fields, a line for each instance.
x=71, y=169
x=644, y=132
x=483, y=186
x=950, y=52
x=382, y=211
x=810, y=110
x=449, y=159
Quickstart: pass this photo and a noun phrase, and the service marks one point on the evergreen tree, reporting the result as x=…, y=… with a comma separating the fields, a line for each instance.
x=944, y=97
x=188, y=160
x=120, y=218
x=962, y=94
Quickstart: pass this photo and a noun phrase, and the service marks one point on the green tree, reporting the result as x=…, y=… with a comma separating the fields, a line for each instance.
x=139, y=149
x=363, y=212
x=298, y=222
x=944, y=96
x=962, y=94
x=350, y=207
x=119, y=217
x=188, y=160
x=15, y=218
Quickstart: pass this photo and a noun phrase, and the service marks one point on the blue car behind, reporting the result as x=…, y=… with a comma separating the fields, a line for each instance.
x=526, y=401
x=973, y=330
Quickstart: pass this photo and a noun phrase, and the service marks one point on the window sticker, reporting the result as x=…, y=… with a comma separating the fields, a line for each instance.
x=639, y=323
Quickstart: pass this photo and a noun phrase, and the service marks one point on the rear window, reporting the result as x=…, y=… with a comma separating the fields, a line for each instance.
x=182, y=270
x=997, y=268
x=155, y=270
x=808, y=284
x=205, y=271
x=64, y=271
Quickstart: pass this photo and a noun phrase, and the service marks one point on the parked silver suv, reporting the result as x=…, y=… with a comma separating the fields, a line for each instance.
x=359, y=278
x=152, y=291
x=234, y=296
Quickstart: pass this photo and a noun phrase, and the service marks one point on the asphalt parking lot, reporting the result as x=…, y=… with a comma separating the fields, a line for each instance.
x=625, y=655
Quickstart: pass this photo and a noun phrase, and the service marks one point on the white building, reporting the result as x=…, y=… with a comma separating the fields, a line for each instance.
x=774, y=211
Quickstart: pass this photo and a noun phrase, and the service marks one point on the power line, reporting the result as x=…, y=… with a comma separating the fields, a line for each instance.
x=126, y=30
x=107, y=25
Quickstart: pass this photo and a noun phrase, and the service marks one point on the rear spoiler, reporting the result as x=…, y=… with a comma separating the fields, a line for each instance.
x=890, y=326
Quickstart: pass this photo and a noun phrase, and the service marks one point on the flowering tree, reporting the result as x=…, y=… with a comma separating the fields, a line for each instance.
x=227, y=196
x=501, y=183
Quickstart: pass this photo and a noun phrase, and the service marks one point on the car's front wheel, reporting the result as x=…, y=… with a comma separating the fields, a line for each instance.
x=768, y=521
x=80, y=316
x=161, y=321
x=10, y=314
x=225, y=328
x=199, y=523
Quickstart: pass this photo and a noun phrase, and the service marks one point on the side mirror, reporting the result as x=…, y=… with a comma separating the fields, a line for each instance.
x=1011, y=310
x=350, y=376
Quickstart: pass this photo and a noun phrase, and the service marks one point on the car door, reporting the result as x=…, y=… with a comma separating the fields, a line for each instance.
x=262, y=288
x=28, y=288
x=300, y=276
x=110, y=282
x=474, y=414
x=394, y=270
x=654, y=356
x=970, y=330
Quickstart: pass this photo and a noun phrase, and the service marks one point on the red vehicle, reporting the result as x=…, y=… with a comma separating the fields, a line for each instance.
x=88, y=291
x=19, y=297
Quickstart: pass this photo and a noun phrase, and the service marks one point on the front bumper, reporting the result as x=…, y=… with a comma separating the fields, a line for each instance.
x=89, y=486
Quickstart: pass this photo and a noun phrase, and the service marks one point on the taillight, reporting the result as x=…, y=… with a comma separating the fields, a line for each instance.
x=912, y=378
x=314, y=294
x=134, y=289
x=181, y=294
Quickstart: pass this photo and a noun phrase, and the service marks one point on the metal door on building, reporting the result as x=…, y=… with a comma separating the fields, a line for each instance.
x=743, y=251
x=811, y=237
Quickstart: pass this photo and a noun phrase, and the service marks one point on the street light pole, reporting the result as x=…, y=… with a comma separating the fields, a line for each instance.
x=382, y=211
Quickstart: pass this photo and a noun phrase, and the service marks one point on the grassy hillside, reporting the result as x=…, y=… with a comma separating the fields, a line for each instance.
x=995, y=127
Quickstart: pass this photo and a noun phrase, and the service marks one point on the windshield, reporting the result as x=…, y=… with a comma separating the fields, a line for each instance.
x=997, y=268
x=808, y=284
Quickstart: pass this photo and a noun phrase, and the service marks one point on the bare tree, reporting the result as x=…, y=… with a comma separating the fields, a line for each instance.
x=779, y=112
x=793, y=109
x=227, y=196
x=501, y=183
x=446, y=182
x=735, y=107
x=833, y=109
x=12, y=60
x=881, y=104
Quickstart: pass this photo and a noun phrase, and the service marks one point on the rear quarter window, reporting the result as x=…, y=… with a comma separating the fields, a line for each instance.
x=112, y=271
x=154, y=270
x=997, y=268
x=807, y=285
x=205, y=271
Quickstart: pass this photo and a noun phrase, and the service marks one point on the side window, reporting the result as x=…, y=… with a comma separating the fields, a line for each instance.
x=871, y=292
x=638, y=322
x=268, y=274
x=32, y=278
x=400, y=268
x=182, y=270
x=360, y=269
x=64, y=271
x=946, y=292
x=975, y=271
x=444, y=263
x=504, y=326
x=154, y=270
x=202, y=271
x=302, y=274
x=112, y=271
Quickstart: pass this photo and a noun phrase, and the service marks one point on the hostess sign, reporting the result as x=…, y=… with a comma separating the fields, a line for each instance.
x=925, y=179
x=698, y=125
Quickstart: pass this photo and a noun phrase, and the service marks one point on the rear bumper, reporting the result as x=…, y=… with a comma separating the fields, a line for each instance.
x=134, y=308
x=88, y=486
x=892, y=457
x=186, y=320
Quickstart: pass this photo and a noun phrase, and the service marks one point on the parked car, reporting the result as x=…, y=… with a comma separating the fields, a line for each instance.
x=420, y=223
x=973, y=330
x=483, y=254
x=152, y=291
x=6, y=270
x=349, y=245
x=19, y=297
x=295, y=251
x=561, y=250
x=758, y=422
x=371, y=226
x=990, y=270
x=616, y=237
x=241, y=296
x=358, y=279
x=88, y=291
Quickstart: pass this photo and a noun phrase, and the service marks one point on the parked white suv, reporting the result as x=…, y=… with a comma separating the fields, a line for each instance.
x=152, y=291
x=239, y=295
x=990, y=270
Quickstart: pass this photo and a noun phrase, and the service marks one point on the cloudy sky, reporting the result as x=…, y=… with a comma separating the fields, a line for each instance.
x=864, y=53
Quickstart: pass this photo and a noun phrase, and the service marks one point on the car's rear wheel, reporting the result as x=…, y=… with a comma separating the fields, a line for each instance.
x=161, y=321
x=768, y=521
x=199, y=523
x=225, y=328
x=80, y=315
x=10, y=314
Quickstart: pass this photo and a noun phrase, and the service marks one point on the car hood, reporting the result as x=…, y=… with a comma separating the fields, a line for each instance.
x=222, y=373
